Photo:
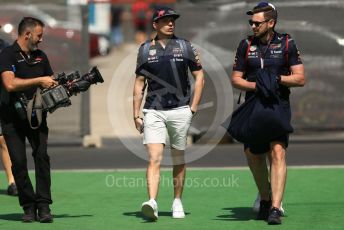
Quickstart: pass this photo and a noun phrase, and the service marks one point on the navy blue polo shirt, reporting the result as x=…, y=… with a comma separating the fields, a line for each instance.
x=12, y=58
x=273, y=55
x=166, y=72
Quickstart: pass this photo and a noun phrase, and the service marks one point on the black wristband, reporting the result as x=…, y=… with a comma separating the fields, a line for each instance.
x=278, y=79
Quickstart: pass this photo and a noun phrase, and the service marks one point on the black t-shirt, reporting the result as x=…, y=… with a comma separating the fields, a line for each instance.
x=12, y=58
x=274, y=56
x=166, y=71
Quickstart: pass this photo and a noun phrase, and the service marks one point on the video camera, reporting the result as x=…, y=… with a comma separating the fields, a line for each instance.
x=68, y=85
x=58, y=96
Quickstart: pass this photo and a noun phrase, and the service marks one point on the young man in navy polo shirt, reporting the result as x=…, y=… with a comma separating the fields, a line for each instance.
x=163, y=65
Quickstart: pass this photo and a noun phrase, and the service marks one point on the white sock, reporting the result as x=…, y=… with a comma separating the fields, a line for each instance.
x=153, y=200
x=177, y=200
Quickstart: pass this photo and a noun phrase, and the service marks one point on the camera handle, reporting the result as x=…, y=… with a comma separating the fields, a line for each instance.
x=34, y=108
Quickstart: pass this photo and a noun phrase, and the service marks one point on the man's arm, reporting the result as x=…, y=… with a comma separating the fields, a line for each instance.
x=13, y=84
x=239, y=67
x=297, y=77
x=137, y=100
x=199, y=84
x=240, y=83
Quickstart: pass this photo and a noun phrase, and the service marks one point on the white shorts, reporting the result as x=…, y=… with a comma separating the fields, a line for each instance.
x=175, y=123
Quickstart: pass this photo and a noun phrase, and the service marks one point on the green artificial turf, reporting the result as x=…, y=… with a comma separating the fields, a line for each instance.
x=213, y=199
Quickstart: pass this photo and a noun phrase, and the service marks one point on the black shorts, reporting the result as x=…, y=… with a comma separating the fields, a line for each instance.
x=261, y=148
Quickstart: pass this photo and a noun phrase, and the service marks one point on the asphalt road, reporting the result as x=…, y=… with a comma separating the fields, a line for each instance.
x=115, y=155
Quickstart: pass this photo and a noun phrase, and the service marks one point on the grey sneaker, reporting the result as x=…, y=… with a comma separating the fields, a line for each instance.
x=256, y=205
x=274, y=216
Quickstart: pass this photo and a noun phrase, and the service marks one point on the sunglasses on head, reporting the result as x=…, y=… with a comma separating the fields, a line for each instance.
x=256, y=24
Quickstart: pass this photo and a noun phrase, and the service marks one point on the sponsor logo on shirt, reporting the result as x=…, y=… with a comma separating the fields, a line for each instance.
x=252, y=54
x=275, y=46
x=177, y=59
x=276, y=51
x=38, y=59
x=177, y=50
x=253, y=48
x=152, y=52
x=153, y=59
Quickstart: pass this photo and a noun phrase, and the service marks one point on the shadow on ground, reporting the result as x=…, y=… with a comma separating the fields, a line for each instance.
x=237, y=214
x=18, y=216
x=138, y=214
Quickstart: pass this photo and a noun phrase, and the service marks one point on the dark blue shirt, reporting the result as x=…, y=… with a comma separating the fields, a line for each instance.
x=166, y=72
x=273, y=55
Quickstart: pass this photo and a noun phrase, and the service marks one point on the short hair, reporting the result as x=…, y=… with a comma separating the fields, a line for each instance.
x=29, y=22
x=269, y=13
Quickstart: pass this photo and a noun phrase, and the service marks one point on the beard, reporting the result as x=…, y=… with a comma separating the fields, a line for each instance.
x=261, y=35
x=33, y=46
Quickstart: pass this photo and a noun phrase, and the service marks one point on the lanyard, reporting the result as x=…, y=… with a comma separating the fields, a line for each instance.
x=263, y=54
x=27, y=60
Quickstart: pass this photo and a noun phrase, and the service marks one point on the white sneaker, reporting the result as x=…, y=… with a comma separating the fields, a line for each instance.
x=282, y=209
x=256, y=205
x=150, y=209
x=177, y=209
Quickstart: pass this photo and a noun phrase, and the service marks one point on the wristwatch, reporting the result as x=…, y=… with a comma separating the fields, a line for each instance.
x=278, y=79
x=136, y=117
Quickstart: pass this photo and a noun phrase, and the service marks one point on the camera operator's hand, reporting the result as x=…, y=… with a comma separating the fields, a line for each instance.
x=139, y=124
x=47, y=82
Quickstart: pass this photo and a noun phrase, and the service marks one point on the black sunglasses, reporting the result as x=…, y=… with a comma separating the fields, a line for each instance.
x=256, y=24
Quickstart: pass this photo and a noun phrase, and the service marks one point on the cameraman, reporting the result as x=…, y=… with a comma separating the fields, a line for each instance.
x=23, y=68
